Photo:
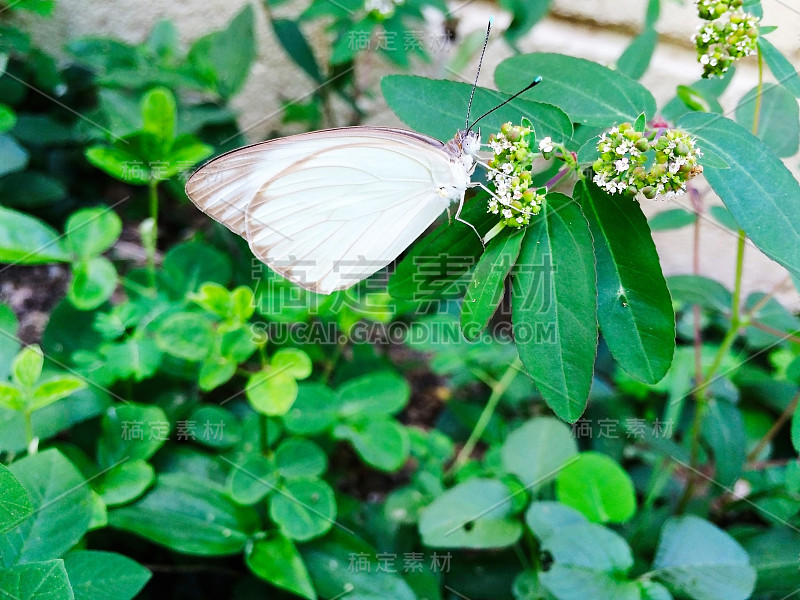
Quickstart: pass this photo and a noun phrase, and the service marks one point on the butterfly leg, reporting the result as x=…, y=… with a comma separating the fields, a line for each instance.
x=460, y=220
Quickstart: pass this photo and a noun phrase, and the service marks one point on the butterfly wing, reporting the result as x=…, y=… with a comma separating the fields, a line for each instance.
x=329, y=208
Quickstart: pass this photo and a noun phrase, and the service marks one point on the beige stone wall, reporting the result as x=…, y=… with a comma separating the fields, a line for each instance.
x=594, y=29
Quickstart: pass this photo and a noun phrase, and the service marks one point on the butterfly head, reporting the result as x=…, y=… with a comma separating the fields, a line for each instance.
x=465, y=144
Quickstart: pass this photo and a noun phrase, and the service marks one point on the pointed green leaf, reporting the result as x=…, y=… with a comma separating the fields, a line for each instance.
x=27, y=366
x=554, y=306
x=55, y=389
x=36, y=580
x=158, y=117
x=634, y=307
x=637, y=56
x=781, y=68
x=188, y=515
x=674, y=218
x=487, y=286
x=15, y=504
x=589, y=93
x=275, y=559
x=778, y=120
x=759, y=191
x=437, y=107
x=118, y=163
x=98, y=575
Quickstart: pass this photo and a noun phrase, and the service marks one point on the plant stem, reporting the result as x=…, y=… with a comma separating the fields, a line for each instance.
x=498, y=389
x=776, y=427
x=263, y=421
x=759, y=92
x=558, y=177
x=29, y=432
x=152, y=240
x=700, y=390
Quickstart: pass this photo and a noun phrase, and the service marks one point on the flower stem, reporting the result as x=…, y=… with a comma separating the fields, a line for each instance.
x=558, y=177
x=152, y=238
x=498, y=389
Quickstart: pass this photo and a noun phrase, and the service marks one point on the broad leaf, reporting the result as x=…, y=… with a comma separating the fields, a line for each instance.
x=554, y=306
x=637, y=56
x=538, y=450
x=598, y=487
x=759, y=191
x=275, y=559
x=97, y=575
x=778, y=120
x=781, y=68
x=25, y=240
x=475, y=514
x=188, y=515
x=92, y=231
x=36, y=580
x=374, y=394
x=382, y=443
x=93, y=282
x=634, y=307
x=131, y=432
x=588, y=92
x=303, y=508
x=438, y=107
x=699, y=560
x=15, y=504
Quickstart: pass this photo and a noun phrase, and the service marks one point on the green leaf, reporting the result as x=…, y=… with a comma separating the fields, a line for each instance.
x=29, y=190
x=723, y=430
x=217, y=427
x=187, y=266
x=93, y=282
x=13, y=157
x=329, y=561
x=119, y=163
x=796, y=430
x=275, y=559
x=224, y=57
x=293, y=362
x=25, y=240
x=62, y=509
x=271, y=392
x=15, y=504
x=675, y=218
x=125, y=482
x=695, y=289
x=252, y=480
x=588, y=92
x=437, y=108
x=574, y=583
x=538, y=450
x=11, y=396
x=98, y=575
x=759, y=191
x=297, y=48
x=379, y=393
x=781, y=68
x=137, y=359
x=779, y=118
x=475, y=514
x=185, y=152
x=92, y=231
x=436, y=265
x=774, y=556
x=303, y=508
x=27, y=366
x=547, y=518
x=597, y=486
x=36, y=580
x=380, y=442
x=54, y=389
x=313, y=412
x=158, y=117
x=589, y=546
x=723, y=216
x=189, y=336
x=8, y=118
x=487, y=286
x=634, y=307
x=526, y=14
x=298, y=458
x=554, y=306
x=188, y=515
x=131, y=432
x=699, y=560
x=637, y=56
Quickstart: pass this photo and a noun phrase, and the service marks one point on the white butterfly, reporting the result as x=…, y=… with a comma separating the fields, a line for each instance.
x=329, y=208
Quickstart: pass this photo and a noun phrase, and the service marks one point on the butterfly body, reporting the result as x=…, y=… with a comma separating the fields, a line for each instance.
x=329, y=208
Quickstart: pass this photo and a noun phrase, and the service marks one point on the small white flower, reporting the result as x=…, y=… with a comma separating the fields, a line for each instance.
x=546, y=145
x=621, y=165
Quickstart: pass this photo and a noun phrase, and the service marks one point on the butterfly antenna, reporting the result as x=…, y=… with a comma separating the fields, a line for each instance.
x=535, y=82
x=478, y=74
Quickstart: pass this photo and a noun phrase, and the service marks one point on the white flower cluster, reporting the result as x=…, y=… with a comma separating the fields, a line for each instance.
x=728, y=35
x=510, y=172
x=625, y=152
x=383, y=9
